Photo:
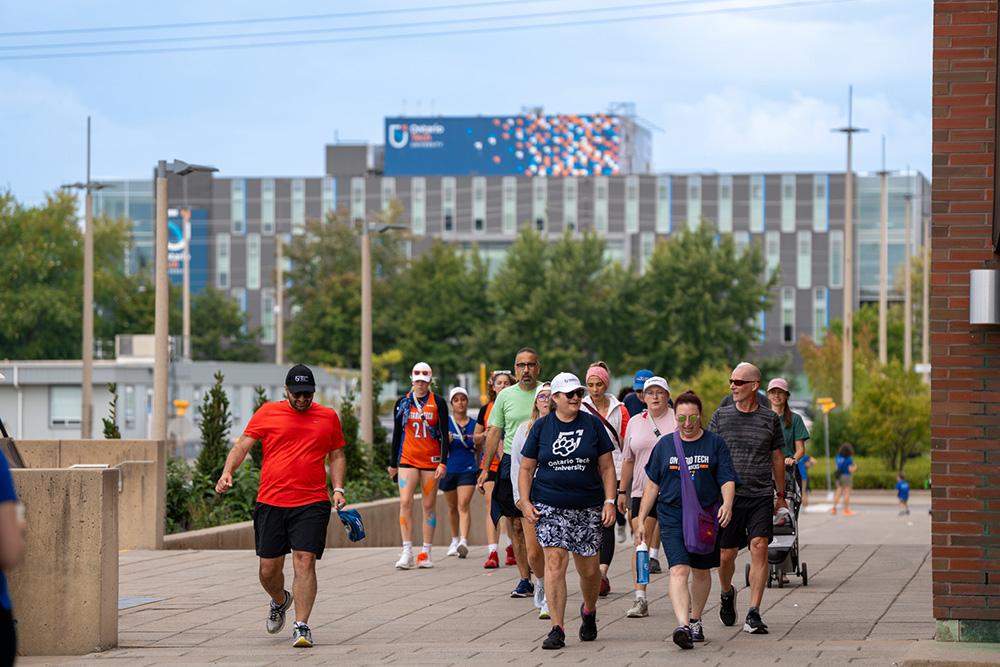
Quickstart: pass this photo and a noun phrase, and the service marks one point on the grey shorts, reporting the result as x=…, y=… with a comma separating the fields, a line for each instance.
x=845, y=481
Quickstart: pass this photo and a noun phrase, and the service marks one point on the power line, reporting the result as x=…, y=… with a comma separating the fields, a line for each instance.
x=437, y=33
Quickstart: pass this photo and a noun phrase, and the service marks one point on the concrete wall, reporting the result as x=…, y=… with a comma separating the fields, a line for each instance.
x=65, y=592
x=381, y=519
x=143, y=486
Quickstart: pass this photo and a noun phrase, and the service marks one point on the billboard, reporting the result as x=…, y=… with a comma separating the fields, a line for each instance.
x=529, y=145
x=198, y=219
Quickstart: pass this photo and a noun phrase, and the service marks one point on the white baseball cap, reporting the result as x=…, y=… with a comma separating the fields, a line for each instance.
x=455, y=392
x=421, y=371
x=656, y=381
x=564, y=383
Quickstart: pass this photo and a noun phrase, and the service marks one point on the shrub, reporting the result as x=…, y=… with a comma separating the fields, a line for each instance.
x=111, y=431
x=873, y=473
x=216, y=420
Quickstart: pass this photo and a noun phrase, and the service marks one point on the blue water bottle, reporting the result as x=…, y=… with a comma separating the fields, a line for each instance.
x=642, y=564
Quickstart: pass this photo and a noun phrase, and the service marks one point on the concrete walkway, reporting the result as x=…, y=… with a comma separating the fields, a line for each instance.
x=868, y=602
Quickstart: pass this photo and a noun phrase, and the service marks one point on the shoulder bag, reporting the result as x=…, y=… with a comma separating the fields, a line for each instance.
x=700, y=524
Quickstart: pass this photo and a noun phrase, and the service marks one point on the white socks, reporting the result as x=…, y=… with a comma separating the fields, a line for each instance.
x=407, y=547
x=493, y=548
x=427, y=548
x=640, y=595
x=653, y=553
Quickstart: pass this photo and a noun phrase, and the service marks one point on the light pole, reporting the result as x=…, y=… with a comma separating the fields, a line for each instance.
x=907, y=279
x=883, y=260
x=847, y=381
x=162, y=285
x=87, y=382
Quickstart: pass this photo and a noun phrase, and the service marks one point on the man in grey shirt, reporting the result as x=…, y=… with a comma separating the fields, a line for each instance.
x=753, y=434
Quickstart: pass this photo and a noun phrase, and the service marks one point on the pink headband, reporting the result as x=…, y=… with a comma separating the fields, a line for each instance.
x=601, y=374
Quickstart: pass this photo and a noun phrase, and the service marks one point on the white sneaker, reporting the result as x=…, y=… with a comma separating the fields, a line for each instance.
x=619, y=533
x=424, y=560
x=543, y=613
x=406, y=561
x=540, y=596
x=452, y=550
x=463, y=549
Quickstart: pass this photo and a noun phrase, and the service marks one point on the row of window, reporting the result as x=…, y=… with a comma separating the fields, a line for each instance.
x=238, y=208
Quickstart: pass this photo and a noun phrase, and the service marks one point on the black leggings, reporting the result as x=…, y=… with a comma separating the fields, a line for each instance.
x=608, y=541
x=8, y=639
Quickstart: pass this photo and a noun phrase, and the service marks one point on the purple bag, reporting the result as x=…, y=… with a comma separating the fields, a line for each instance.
x=701, y=524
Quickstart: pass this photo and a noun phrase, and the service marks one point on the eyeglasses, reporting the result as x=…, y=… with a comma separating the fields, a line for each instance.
x=577, y=392
x=302, y=394
x=530, y=364
x=740, y=383
x=543, y=396
x=687, y=418
x=422, y=373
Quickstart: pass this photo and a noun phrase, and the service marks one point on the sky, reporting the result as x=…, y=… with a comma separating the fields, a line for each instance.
x=732, y=86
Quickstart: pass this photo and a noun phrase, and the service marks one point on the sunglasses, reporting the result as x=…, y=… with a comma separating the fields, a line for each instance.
x=302, y=394
x=577, y=392
x=691, y=418
x=543, y=396
x=739, y=383
x=422, y=373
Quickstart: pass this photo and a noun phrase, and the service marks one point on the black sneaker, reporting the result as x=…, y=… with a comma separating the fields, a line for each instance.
x=697, y=631
x=727, y=606
x=556, y=639
x=682, y=637
x=753, y=624
x=588, y=629
x=654, y=566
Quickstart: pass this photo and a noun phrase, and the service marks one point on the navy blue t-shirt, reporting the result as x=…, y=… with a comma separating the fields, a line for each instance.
x=707, y=458
x=567, y=454
x=460, y=457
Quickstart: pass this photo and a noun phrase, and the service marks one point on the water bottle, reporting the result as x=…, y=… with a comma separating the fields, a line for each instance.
x=642, y=564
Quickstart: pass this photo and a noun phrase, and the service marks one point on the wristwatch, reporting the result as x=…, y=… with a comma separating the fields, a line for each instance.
x=781, y=494
x=621, y=492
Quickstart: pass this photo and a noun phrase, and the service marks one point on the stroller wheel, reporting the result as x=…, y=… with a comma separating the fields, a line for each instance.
x=781, y=580
x=748, y=575
x=770, y=578
x=805, y=575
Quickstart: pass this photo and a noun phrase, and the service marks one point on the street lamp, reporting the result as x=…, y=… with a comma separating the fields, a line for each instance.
x=162, y=307
x=87, y=383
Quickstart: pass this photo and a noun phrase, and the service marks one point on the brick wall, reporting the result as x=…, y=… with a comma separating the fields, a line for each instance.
x=965, y=380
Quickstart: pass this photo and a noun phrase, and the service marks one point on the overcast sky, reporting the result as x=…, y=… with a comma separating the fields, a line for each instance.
x=731, y=88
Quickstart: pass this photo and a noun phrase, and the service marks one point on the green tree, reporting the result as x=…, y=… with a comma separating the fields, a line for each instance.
x=893, y=411
x=219, y=329
x=710, y=383
x=111, y=431
x=823, y=362
x=216, y=420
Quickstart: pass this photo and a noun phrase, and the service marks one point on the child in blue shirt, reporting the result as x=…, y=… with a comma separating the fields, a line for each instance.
x=903, y=493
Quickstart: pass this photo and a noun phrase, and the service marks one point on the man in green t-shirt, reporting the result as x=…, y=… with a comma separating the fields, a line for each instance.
x=511, y=409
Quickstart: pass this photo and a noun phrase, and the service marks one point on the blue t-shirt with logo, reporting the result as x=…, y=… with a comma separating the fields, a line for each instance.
x=903, y=490
x=567, y=453
x=844, y=464
x=708, y=460
x=7, y=495
x=460, y=457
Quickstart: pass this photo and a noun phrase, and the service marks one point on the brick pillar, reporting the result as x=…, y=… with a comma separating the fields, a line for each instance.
x=965, y=358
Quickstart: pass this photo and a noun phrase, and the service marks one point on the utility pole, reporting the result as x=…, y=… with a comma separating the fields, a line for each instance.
x=925, y=341
x=161, y=346
x=907, y=278
x=883, y=260
x=847, y=383
x=279, y=316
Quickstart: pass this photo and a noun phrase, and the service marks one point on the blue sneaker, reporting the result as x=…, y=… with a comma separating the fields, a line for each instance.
x=276, y=614
x=524, y=589
x=301, y=636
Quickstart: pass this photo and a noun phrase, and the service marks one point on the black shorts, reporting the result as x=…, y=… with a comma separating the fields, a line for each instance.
x=279, y=530
x=503, y=491
x=752, y=517
x=636, y=502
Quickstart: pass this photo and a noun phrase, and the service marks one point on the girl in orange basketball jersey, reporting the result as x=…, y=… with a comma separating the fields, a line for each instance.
x=419, y=459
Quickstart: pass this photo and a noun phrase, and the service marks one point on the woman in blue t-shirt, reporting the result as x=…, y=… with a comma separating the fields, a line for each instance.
x=711, y=469
x=567, y=488
x=845, y=480
x=459, y=480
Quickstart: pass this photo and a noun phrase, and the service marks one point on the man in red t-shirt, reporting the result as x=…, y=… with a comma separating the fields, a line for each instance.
x=293, y=508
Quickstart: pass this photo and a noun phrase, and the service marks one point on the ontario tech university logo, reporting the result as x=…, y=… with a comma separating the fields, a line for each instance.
x=414, y=135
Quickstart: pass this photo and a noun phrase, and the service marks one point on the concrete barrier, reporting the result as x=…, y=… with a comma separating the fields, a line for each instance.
x=381, y=519
x=65, y=592
x=142, y=465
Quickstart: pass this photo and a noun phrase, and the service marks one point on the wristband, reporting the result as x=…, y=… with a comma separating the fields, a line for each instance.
x=609, y=502
x=781, y=494
x=621, y=492
x=340, y=491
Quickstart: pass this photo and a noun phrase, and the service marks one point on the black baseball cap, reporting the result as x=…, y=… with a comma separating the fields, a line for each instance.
x=300, y=379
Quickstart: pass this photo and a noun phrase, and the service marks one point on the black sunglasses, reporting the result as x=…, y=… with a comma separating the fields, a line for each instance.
x=578, y=393
x=740, y=383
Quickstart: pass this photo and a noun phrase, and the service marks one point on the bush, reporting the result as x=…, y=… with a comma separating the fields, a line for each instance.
x=111, y=431
x=873, y=473
x=192, y=502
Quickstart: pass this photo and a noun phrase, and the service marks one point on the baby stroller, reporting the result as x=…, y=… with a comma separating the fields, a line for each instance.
x=783, y=551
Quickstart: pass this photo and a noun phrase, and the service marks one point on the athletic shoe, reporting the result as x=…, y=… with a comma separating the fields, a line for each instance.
x=753, y=624
x=654, y=566
x=639, y=609
x=301, y=636
x=276, y=615
x=424, y=560
x=556, y=638
x=543, y=613
x=682, y=637
x=493, y=561
x=452, y=550
x=463, y=549
x=406, y=561
x=697, y=631
x=833, y=511
x=539, y=595
x=523, y=590
x=848, y=512
x=727, y=606
x=510, y=556
x=588, y=628
x=605, y=586
x=619, y=534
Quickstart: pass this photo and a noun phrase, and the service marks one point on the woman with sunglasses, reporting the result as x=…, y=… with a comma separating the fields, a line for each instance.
x=499, y=380
x=614, y=416
x=536, y=559
x=567, y=491
x=459, y=481
x=420, y=460
x=711, y=469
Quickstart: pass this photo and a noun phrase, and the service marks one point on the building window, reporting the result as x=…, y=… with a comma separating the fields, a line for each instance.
x=253, y=261
x=742, y=240
x=418, y=205
x=837, y=259
x=788, y=203
x=540, y=203
x=664, y=195
x=235, y=396
x=298, y=205
x=267, y=206
x=268, y=304
x=772, y=241
x=222, y=261
x=821, y=313
x=725, y=204
x=788, y=315
x=760, y=324
x=569, y=202
x=129, y=404
x=509, y=205
x=647, y=242
x=448, y=203
x=821, y=203
x=631, y=204
x=694, y=202
x=804, y=260
x=479, y=204
x=329, y=196
x=757, y=195
x=65, y=406
x=601, y=204
x=238, y=205
x=358, y=212
x=388, y=192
